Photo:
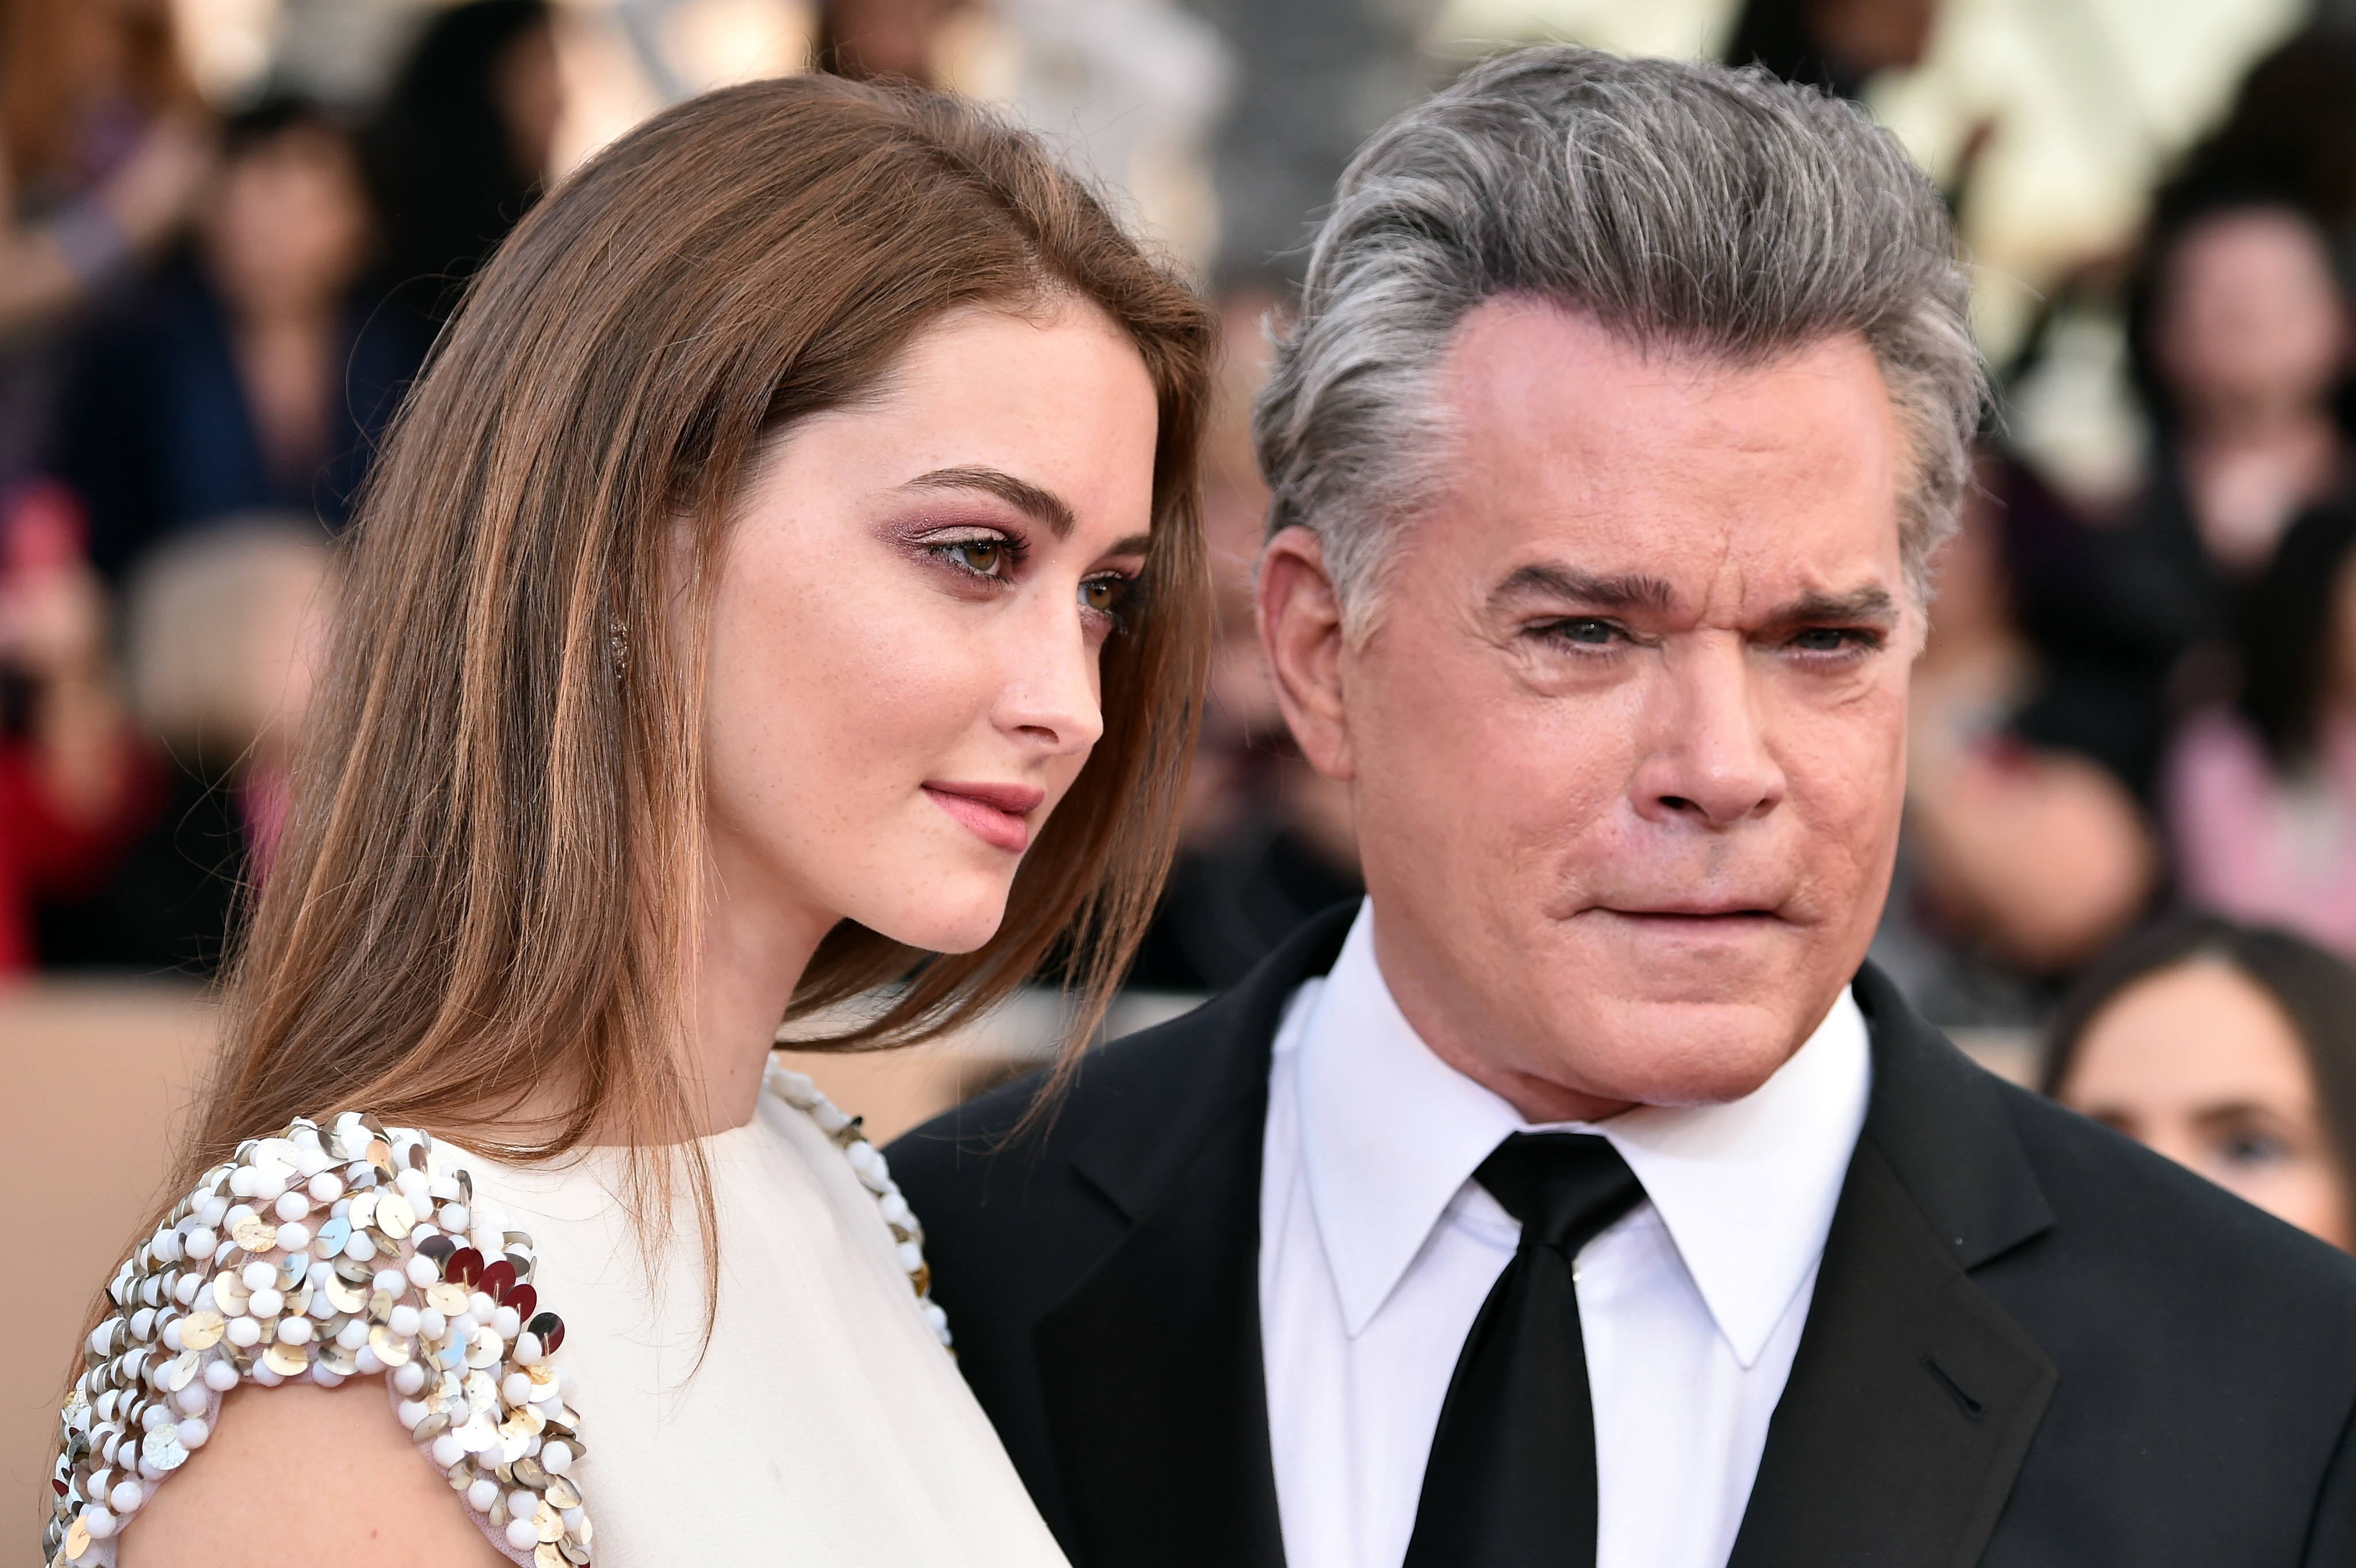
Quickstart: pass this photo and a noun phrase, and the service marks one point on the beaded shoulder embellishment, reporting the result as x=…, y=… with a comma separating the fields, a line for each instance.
x=329, y=1253
x=867, y=1163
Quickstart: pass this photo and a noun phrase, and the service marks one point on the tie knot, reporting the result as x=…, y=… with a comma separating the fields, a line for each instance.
x=1565, y=1188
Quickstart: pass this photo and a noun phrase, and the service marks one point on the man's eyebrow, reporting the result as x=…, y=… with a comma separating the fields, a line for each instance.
x=1022, y=495
x=1602, y=590
x=1870, y=604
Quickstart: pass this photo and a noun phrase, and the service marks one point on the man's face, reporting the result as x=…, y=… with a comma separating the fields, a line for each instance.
x=1626, y=739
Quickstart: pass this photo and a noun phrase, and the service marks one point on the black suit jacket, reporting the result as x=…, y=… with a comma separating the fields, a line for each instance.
x=2031, y=1342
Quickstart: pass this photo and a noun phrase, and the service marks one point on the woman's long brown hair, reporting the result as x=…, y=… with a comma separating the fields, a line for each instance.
x=492, y=865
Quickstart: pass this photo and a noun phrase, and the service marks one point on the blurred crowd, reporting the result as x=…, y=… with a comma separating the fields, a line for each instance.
x=2131, y=821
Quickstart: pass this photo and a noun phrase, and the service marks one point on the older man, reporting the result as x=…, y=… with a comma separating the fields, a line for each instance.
x=1579, y=1198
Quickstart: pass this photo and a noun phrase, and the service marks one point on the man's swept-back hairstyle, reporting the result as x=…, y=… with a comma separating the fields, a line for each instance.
x=491, y=875
x=1695, y=209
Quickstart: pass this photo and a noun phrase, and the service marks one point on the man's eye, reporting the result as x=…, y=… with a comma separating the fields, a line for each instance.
x=1829, y=639
x=2249, y=1149
x=1588, y=632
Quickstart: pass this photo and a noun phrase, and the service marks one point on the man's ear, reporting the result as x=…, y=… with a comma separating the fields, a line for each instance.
x=1300, y=634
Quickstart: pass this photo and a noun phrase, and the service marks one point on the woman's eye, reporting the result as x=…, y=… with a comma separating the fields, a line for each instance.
x=982, y=557
x=1107, y=596
x=2247, y=1149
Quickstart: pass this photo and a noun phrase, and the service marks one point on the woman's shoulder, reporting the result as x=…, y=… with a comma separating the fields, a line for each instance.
x=325, y=1253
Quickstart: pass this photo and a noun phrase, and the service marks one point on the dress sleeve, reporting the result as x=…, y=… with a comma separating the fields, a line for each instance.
x=327, y=1253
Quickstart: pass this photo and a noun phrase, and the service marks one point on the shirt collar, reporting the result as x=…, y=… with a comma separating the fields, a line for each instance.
x=1390, y=1134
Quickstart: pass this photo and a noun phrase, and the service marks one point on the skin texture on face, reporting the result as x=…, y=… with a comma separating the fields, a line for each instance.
x=901, y=666
x=1626, y=739
x=2198, y=1063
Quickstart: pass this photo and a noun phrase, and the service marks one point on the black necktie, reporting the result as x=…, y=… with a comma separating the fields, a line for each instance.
x=1511, y=1481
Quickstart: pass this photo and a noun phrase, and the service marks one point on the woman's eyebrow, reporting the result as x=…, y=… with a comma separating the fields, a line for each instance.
x=1027, y=498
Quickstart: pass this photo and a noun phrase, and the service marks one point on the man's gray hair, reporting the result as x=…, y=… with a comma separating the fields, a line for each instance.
x=1691, y=207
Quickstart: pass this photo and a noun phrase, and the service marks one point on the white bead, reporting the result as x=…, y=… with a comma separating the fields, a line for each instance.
x=392, y=1282
x=327, y=1187
x=193, y=1434
x=517, y=1390
x=323, y=1305
x=453, y=1217
x=481, y=1495
x=522, y=1535
x=291, y=1207
x=359, y=1249
x=353, y=1335
x=325, y=1377
x=311, y=1159
x=408, y=1378
x=444, y=1189
x=295, y=1235
x=413, y=1185
x=409, y=1412
x=200, y=1245
x=267, y=1303
x=219, y=1377
x=240, y=1181
x=912, y=1257
x=894, y=1208
x=422, y=1272
x=506, y=1323
x=481, y=1307
x=193, y=1399
x=259, y=1275
x=167, y=1246
x=527, y=1349
x=432, y=1324
x=522, y=1504
x=98, y=1520
x=244, y=1333
x=126, y=1497
x=294, y=1331
x=213, y=1211
x=446, y=1450
x=143, y=1325
x=365, y=1360
x=262, y=1374
x=172, y=1337
x=184, y=1293
x=556, y=1458
x=267, y=1185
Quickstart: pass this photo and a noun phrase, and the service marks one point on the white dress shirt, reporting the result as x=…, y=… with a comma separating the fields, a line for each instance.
x=1377, y=1249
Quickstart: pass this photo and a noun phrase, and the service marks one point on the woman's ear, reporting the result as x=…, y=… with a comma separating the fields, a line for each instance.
x=1300, y=633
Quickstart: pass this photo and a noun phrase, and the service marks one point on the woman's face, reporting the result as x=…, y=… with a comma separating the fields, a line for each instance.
x=901, y=679
x=2198, y=1063
x=2249, y=313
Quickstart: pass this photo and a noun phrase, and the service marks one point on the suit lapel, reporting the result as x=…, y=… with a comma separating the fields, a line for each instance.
x=1150, y=1368
x=1914, y=1398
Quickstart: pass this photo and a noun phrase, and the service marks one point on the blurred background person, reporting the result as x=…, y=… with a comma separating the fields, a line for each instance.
x=459, y=149
x=102, y=149
x=2022, y=854
x=1837, y=45
x=881, y=40
x=226, y=629
x=77, y=784
x=2231, y=1049
x=2261, y=796
x=255, y=373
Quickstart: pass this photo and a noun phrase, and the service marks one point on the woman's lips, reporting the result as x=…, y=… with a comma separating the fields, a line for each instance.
x=994, y=811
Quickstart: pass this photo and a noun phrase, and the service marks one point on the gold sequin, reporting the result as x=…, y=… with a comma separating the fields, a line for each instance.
x=255, y=1235
x=203, y=1330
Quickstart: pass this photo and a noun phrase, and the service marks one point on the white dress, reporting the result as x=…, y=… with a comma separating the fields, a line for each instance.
x=826, y=1423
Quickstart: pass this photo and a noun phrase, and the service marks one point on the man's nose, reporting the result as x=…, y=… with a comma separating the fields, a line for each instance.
x=1709, y=761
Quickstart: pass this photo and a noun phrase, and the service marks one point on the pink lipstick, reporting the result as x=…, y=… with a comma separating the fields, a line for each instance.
x=995, y=812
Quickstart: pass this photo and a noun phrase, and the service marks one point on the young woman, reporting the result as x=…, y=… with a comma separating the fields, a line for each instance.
x=2260, y=799
x=787, y=579
x=2231, y=1049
